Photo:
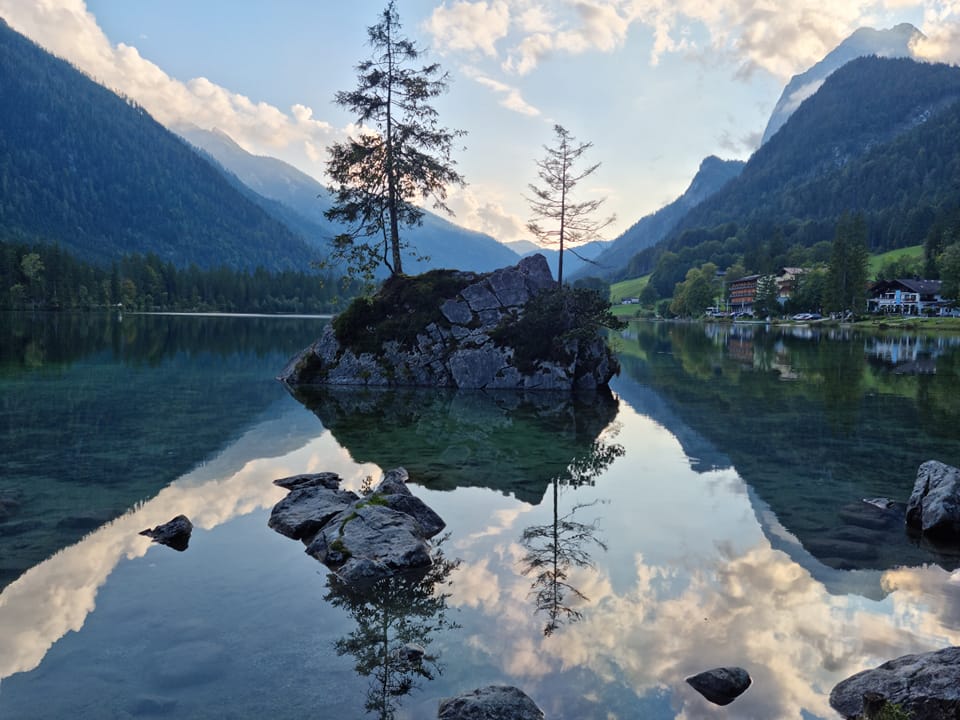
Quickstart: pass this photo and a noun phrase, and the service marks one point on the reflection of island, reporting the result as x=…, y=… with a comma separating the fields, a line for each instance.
x=811, y=425
x=511, y=442
x=553, y=549
x=396, y=619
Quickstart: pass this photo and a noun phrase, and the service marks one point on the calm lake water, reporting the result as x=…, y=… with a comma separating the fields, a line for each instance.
x=709, y=512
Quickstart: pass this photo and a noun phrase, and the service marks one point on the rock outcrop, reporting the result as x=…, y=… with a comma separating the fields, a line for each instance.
x=457, y=340
x=721, y=686
x=494, y=702
x=361, y=539
x=923, y=686
x=175, y=534
x=934, y=505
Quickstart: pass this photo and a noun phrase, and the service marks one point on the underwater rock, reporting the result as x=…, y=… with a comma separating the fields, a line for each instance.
x=175, y=534
x=721, y=686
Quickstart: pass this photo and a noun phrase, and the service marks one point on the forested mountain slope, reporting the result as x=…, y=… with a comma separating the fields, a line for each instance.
x=879, y=138
x=95, y=174
x=712, y=175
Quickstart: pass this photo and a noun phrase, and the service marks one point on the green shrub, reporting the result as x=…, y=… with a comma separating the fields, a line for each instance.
x=550, y=321
x=403, y=307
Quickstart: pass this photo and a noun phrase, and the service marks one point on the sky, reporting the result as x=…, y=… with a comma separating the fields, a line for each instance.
x=655, y=85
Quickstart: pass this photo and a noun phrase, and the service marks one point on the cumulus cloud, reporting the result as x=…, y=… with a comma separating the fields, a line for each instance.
x=482, y=209
x=470, y=26
x=782, y=40
x=942, y=44
x=67, y=29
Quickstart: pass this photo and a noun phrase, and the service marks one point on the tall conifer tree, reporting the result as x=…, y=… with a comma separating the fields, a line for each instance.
x=402, y=154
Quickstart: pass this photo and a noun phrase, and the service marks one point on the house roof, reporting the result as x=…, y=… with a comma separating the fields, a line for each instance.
x=922, y=287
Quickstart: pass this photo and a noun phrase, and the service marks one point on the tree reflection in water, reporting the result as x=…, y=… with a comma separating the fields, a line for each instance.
x=553, y=549
x=396, y=619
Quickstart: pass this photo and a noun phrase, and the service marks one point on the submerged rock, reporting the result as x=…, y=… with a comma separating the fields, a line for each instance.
x=494, y=702
x=721, y=686
x=175, y=534
x=362, y=539
x=924, y=686
x=454, y=329
x=934, y=506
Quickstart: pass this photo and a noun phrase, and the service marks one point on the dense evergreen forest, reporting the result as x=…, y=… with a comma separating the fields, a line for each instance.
x=96, y=174
x=878, y=139
x=46, y=277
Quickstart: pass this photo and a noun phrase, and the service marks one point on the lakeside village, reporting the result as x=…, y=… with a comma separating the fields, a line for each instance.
x=744, y=297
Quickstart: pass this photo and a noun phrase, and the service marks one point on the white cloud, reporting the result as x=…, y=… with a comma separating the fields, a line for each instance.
x=469, y=26
x=481, y=208
x=780, y=39
x=941, y=44
x=528, y=54
x=510, y=96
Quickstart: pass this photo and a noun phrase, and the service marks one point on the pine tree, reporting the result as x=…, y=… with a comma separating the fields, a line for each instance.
x=570, y=222
x=846, y=289
x=401, y=156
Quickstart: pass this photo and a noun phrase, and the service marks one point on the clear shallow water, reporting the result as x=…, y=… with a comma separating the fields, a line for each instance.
x=720, y=480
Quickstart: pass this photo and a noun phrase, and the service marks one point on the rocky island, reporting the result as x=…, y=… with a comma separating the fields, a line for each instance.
x=510, y=329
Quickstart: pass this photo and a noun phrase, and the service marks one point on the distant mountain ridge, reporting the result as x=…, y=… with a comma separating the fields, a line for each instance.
x=96, y=174
x=806, y=170
x=712, y=175
x=893, y=42
x=879, y=138
x=300, y=201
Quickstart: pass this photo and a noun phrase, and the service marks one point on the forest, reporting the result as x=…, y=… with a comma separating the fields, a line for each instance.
x=46, y=277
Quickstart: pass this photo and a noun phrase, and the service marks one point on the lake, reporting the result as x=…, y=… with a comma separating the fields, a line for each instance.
x=709, y=511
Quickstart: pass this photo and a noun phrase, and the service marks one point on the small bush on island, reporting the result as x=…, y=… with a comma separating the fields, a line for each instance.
x=402, y=308
x=552, y=320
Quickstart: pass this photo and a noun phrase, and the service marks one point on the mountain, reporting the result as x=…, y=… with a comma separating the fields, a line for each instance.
x=299, y=201
x=879, y=138
x=712, y=175
x=893, y=42
x=97, y=175
x=827, y=157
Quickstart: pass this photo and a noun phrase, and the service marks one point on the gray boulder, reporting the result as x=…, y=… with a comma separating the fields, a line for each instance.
x=302, y=513
x=926, y=686
x=362, y=539
x=368, y=542
x=494, y=702
x=934, y=505
x=174, y=534
x=328, y=480
x=721, y=686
